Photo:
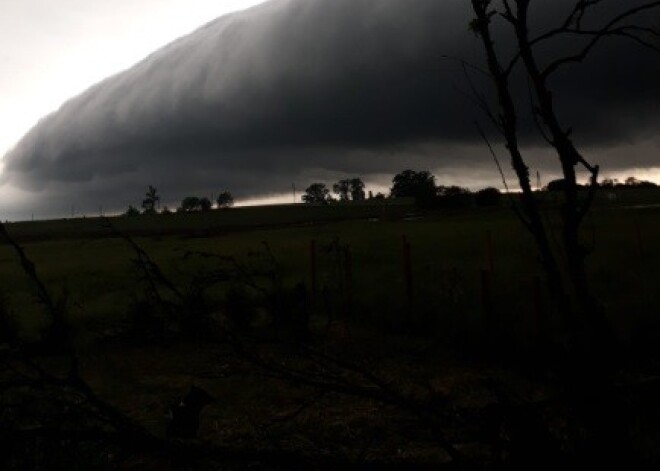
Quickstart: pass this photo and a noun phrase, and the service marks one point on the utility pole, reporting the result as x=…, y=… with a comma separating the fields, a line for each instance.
x=293, y=185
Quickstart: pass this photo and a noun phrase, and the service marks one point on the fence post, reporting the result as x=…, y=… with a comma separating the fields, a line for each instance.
x=539, y=311
x=312, y=260
x=490, y=258
x=348, y=275
x=640, y=245
x=487, y=304
x=407, y=270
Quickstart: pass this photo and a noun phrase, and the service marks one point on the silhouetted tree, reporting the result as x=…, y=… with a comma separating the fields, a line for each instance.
x=559, y=185
x=225, y=200
x=316, y=193
x=488, y=197
x=205, y=204
x=451, y=191
x=540, y=65
x=350, y=188
x=445, y=197
x=609, y=183
x=357, y=189
x=410, y=183
x=190, y=203
x=343, y=189
x=132, y=211
x=150, y=200
x=632, y=182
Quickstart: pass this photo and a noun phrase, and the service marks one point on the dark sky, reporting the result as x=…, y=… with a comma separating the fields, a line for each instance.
x=305, y=90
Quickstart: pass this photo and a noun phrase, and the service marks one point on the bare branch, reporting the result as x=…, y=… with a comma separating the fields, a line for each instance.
x=522, y=218
x=582, y=55
x=475, y=96
x=366, y=385
x=608, y=30
x=579, y=12
x=479, y=99
x=572, y=25
x=30, y=270
x=53, y=308
x=593, y=188
x=535, y=114
x=467, y=64
x=151, y=271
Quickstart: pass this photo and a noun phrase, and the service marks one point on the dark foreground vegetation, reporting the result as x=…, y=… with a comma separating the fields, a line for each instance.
x=323, y=337
x=361, y=335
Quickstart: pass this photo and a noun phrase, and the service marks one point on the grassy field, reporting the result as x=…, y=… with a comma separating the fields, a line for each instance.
x=422, y=346
x=449, y=249
x=215, y=222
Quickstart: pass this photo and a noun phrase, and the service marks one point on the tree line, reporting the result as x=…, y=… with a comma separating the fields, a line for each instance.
x=189, y=204
x=420, y=185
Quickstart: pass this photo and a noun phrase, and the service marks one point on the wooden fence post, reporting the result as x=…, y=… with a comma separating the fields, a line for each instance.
x=640, y=245
x=407, y=270
x=542, y=326
x=348, y=276
x=487, y=304
x=490, y=258
x=312, y=260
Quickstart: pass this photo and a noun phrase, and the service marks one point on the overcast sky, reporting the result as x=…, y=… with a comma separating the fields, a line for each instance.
x=291, y=91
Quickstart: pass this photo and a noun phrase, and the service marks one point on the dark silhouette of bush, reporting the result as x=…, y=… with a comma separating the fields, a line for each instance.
x=132, y=211
x=444, y=197
x=453, y=197
x=205, y=204
x=8, y=331
x=488, y=197
x=145, y=320
x=189, y=204
x=560, y=185
x=239, y=307
x=185, y=412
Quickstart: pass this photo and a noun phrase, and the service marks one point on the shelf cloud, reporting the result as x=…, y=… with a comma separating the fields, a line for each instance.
x=296, y=90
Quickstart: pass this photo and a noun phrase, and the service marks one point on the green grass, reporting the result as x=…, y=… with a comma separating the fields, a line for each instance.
x=449, y=250
x=210, y=223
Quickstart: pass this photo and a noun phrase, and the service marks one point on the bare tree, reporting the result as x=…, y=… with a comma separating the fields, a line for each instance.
x=572, y=292
x=151, y=200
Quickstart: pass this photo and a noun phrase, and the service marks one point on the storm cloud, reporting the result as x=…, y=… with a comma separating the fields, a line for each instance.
x=297, y=90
